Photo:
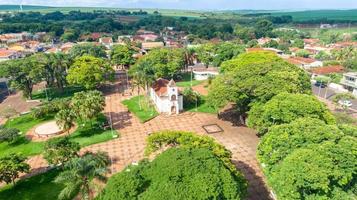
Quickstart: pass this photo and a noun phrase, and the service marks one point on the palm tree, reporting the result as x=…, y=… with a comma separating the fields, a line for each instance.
x=65, y=119
x=80, y=173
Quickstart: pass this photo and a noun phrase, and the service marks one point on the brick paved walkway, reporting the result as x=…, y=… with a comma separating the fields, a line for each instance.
x=129, y=147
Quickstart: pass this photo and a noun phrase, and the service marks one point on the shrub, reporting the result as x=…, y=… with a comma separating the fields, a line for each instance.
x=50, y=108
x=60, y=150
x=10, y=135
x=176, y=174
x=190, y=97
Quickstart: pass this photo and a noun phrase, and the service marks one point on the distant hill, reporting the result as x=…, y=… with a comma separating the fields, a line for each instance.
x=24, y=7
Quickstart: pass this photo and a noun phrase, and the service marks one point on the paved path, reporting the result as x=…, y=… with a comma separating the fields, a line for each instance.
x=129, y=147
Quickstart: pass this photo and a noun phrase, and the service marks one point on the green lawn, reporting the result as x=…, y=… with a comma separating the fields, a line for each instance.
x=186, y=81
x=53, y=93
x=145, y=111
x=34, y=188
x=201, y=107
x=84, y=135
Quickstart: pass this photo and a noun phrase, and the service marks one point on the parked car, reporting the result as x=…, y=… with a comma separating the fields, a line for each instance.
x=345, y=103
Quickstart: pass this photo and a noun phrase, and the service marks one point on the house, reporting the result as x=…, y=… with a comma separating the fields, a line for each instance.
x=166, y=97
x=349, y=82
x=305, y=63
x=123, y=39
x=149, y=37
x=327, y=70
x=151, y=45
x=311, y=41
x=106, y=41
x=262, y=41
x=6, y=54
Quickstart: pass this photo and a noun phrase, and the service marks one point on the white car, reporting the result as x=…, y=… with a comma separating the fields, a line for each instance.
x=345, y=103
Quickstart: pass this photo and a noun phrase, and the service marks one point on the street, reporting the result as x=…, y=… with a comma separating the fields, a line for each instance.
x=328, y=93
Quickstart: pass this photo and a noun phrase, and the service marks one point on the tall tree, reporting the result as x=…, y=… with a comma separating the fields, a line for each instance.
x=79, y=175
x=89, y=72
x=23, y=73
x=65, y=119
x=88, y=105
x=122, y=55
x=88, y=49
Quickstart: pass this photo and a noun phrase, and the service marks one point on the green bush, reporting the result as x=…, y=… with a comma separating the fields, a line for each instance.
x=187, y=140
x=323, y=171
x=282, y=140
x=10, y=135
x=177, y=174
x=50, y=108
x=190, y=98
x=285, y=108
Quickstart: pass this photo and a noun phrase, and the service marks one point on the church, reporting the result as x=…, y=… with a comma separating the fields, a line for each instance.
x=166, y=97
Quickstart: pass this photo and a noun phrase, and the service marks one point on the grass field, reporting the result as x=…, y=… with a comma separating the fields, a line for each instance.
x=201, y=107
x=186, y=81
x=141, y=108
x=46, y=9
x=90, y=133
x=37, y=187
x=52, y=93
x=320, y=14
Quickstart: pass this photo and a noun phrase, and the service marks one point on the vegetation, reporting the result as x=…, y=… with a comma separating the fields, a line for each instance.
x=160, y=63
x=141, y=108
x=281, y=140
x=37, y=187
x=88, y=49
x=255, y=78
x=285, y=108
x=177, y=174
x=79, y=174
x=58, y=151
x=185, y=80
x=11, y=166
x=89, y=72
x=122, y=55
x=10, y=135
x=324, y=171
x=88, y=133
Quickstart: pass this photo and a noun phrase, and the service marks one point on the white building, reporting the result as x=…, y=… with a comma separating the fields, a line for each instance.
x=349, y=82
x=166, y=97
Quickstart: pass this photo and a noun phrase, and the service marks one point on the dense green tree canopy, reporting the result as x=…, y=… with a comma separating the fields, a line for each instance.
x=323, y=171
x=281, y=140
x=177, y=174
x=88, y=49
x=161, y=62
x=23, y=73
x=87, y=105
x=256, y=77
x=60, y=150
x=11, y=166
x=89, y=72
x=285, y=108
x=122, y=55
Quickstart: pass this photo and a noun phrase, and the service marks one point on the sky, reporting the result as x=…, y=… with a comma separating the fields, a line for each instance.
x=199, y=4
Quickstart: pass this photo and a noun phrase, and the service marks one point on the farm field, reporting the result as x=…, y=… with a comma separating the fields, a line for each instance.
x=320, y=14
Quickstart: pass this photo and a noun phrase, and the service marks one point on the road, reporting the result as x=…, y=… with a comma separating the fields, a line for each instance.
x=328, y=93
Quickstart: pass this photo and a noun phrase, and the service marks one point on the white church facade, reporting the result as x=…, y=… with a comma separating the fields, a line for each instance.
x=166, y=97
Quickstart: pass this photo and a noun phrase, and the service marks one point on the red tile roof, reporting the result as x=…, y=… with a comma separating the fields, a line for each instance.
x=6, y=53
x=328, y=69
x=301, y=60
x=160, y=86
